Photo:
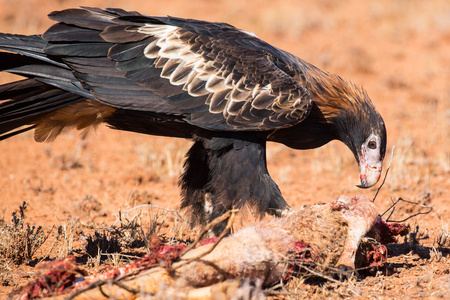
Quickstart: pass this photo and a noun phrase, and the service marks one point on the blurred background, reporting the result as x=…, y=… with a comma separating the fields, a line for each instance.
x=399, y=50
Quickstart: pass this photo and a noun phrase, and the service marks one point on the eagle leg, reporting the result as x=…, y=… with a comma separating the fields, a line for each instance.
x=224, y=173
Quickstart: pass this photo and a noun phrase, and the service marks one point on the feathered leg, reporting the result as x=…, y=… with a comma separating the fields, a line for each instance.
x=221, y=174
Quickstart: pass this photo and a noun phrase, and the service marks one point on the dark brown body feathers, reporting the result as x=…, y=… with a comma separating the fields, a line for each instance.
x=225, y=88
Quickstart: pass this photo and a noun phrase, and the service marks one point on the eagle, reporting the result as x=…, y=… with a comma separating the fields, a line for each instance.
x=224, y=88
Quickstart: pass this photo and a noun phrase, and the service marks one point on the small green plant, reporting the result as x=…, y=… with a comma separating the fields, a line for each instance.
x=20, y=241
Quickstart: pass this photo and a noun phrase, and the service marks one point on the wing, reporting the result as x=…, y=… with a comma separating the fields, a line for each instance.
x=211, y=74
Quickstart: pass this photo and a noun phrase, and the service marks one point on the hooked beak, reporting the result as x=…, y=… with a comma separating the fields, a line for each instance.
x=369, y=173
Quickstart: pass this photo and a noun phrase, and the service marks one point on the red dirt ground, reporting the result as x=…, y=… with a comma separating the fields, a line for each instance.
x=398, y=50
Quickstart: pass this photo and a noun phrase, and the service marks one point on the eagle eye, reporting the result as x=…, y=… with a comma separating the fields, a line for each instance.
x=372, y=144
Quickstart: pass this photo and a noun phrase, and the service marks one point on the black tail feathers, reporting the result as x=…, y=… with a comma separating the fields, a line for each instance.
x=50, y=84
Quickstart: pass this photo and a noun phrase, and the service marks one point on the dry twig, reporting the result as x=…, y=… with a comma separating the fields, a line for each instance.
x=230, y=215
x=385, y=175
x=392, y=207
x=176, y=212
x=329, y=278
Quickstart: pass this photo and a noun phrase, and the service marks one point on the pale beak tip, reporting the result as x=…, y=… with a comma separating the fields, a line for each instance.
x=369, y=179
x=361, y=186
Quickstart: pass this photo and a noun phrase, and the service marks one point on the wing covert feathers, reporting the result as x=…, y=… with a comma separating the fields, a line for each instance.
x=206, y=75
x=216, y=76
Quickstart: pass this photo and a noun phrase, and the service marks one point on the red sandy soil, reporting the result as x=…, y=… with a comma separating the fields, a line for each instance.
x=398, y=50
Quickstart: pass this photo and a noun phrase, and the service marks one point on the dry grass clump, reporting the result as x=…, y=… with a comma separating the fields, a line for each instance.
x=137, y=224
x=65, y=238
x=20, y=241
x=130, y=236
x=443, y=238
x=101, y=243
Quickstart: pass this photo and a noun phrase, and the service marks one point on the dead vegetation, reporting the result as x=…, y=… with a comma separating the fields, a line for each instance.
x=132, y=237
x=403, y=69
x=20, y=241
x=93, y=248
x=113, y=247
